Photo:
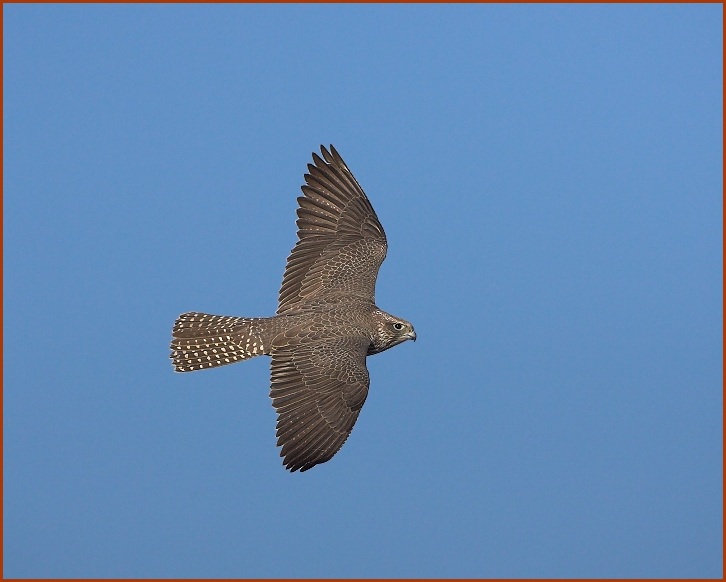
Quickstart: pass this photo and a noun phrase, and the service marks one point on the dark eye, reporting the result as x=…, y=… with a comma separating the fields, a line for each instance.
x=398, y=326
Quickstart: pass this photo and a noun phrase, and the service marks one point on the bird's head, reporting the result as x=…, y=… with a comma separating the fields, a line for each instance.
x=391, y=331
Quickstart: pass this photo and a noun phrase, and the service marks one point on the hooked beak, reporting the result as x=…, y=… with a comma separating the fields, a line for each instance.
x=411, y=335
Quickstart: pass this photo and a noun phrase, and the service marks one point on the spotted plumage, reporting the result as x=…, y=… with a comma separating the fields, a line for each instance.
x=326, y=323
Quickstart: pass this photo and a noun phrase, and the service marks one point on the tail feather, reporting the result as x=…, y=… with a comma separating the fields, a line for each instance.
x=202, y=341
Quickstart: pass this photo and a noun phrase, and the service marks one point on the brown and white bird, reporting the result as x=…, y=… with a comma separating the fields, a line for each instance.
x=326, y=322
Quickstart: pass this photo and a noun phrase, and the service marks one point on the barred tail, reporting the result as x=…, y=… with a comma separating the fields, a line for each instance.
x=203, y=341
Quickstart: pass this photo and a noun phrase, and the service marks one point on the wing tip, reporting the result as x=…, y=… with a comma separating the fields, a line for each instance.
x=330, y=156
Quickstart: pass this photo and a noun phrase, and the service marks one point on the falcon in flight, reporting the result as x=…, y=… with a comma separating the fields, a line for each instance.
x=326, y=323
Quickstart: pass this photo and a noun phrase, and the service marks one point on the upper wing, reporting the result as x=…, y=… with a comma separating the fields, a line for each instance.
x=318, y=389
x=341, y=242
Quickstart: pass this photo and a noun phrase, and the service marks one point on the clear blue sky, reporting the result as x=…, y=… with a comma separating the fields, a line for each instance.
x=550, y=179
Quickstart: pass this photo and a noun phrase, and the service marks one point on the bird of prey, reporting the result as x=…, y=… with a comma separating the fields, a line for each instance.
x=326, y=323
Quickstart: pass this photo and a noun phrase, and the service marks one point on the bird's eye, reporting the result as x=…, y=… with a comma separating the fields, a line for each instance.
x=398, y=326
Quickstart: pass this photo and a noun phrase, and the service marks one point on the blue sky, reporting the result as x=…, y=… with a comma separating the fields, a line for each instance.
x=550, y=180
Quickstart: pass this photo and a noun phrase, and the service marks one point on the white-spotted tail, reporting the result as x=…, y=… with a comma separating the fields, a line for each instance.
x=202, y=341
